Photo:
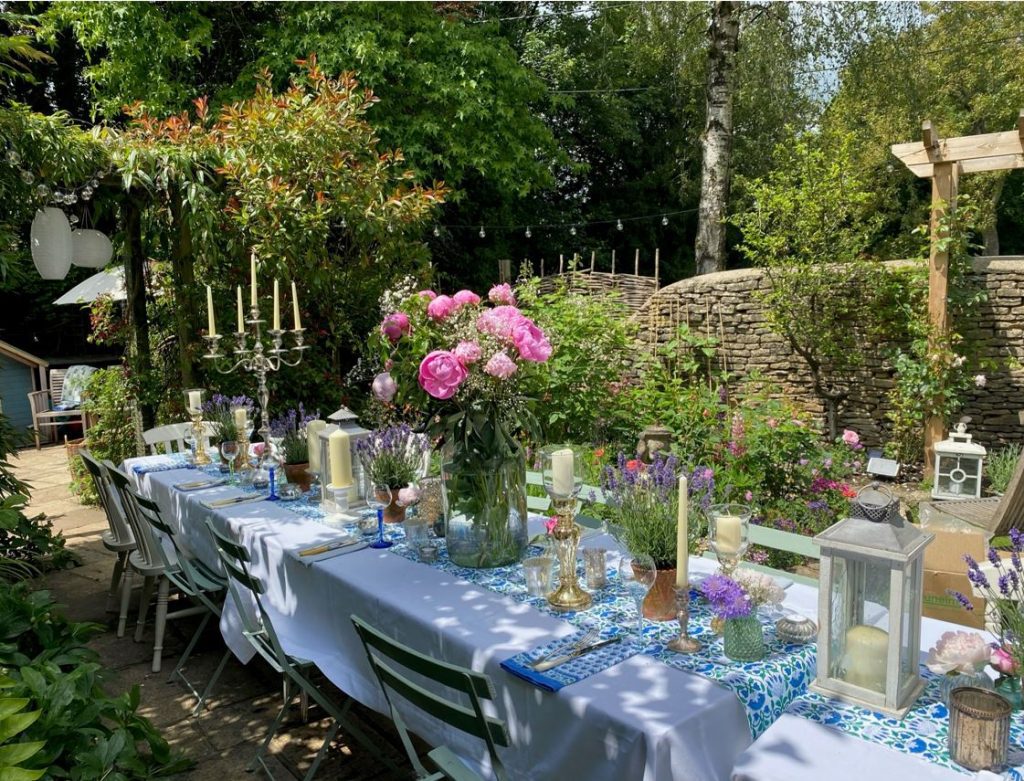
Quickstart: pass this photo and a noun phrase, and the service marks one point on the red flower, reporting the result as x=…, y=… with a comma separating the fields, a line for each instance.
x=848, y=492
x=634, y=464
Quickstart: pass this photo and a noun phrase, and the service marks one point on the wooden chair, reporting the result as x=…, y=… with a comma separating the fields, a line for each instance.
x=44, y=406
x=995, y=514
x=118, y=538
x=389, y=659
x=170, y=438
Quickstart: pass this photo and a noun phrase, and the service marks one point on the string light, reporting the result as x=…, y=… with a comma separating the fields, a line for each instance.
x=618, y=225
x=483, y=233
x=527, y=229
x=572, y=231
x=529, y=233
x=664, y=220
x=437, y=231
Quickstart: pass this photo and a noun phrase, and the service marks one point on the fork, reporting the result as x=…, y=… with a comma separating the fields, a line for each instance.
x=562, y=649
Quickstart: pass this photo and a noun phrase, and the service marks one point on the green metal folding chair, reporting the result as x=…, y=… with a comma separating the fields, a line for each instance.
x=384, y=653
x=259, y=631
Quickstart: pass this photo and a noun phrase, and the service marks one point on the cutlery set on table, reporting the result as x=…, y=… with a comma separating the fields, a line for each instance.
x=574, y=650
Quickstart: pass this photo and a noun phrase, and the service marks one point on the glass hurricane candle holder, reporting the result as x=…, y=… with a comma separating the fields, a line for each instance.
x=728, y=533
x=194, y=398
x=563, y=479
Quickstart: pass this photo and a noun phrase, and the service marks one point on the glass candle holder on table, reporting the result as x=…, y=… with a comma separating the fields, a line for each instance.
x=729, y=534
x=538, y=572
x=563, y=479
x=595, y=567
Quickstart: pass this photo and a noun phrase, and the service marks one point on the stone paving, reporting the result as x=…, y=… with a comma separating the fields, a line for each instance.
x=224, y=737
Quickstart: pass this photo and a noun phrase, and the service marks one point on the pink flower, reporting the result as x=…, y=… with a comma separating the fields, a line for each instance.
x=408, y=495
x=963, y=652
x=1002, y=662
x=748, y=496
x=773, y=423
x=551, y=523
x=530, y=341
x=441, y=307
x=499, y=321
x=851, y=437
x=384, y=387
x=429, y=295
x=466, y=298
x=441, y=373
x=502, y=294
x=501, y=366
x=468, y=352
x=395, y=326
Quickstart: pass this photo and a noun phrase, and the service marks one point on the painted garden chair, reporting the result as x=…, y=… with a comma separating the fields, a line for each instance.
x=118, y=538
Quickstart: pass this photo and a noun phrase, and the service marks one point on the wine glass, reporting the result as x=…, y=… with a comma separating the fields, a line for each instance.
x=378, y=496
x=229, y=451
x=189, y=438
x=637, y=573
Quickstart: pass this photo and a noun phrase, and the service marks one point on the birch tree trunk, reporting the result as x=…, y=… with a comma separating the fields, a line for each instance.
x=716, y=169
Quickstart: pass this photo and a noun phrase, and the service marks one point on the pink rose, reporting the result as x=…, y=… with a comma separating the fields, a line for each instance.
x=501, y=366
x=441, y=373
x=429, y=295
x=384, y=387
x=408, y=496
x=530, y=341
x=499, y=321
x=441, y=308
x=551, y=523
x=466, y=298
x=851, y=438
x=468, y=352
x=1003, y=663
x=502, y=294
x=395, y=326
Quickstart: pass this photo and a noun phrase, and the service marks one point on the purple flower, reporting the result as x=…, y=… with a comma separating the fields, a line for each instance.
x=726, y=596
x=1017, y=538
x=993, y=557
x=1004, y=585
x=965, y=603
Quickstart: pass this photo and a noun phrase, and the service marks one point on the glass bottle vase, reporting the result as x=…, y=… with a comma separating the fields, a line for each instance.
x=743, y=639
x=486, y=513
x=952, y=681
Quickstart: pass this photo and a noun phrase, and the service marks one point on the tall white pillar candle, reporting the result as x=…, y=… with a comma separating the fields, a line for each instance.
x=313, y=429
x=211, y=325
x=241, y=420
x=295, y=308
x=683, y=535
x=867, y=652
x=252, y=276
x=241, y=312
x=340, y=449
x=728, y=533
x=563, y=478
x=277, y=306
x=194, y=401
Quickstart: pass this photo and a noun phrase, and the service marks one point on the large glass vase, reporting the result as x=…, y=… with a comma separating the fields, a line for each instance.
x=485, y=512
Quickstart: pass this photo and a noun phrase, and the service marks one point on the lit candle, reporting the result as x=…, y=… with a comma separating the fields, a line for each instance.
x=194, y=401
x=313, y=429
x=563, y=478
x=241, y=314
x=241, y=420
x=295, y=308
x=682, y=536
x=728, y=533
x=277, y=307
x=339, y=448
x=864, y=662
x=211, y=325
x=252, y=274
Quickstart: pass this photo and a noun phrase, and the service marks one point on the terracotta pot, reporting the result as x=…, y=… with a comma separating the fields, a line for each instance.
x=393, y=513
x=660, y=602
x=298, y=474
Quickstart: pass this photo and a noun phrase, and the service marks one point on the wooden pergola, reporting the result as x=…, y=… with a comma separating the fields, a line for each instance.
x=943, y=161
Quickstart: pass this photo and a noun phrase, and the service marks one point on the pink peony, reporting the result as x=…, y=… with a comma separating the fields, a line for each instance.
x=962, y=652
x=429, y=295
x=1002, y=662
x=502, y=294
x=441, y=308
x=501, y=366
x=408, y=496
x=384, y=387
x=499, y=321
x=466, y=298
x=851, y=438
x=551, y=523
x=468, y=352
x=395, y=326
x=441, y=373
x=530, y=341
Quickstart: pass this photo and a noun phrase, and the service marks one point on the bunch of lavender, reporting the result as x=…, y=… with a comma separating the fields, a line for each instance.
x=727, y=597
x=217, y=410
x=644, y=502
x=291, y=427
x=393, y=456
x=1005, y=595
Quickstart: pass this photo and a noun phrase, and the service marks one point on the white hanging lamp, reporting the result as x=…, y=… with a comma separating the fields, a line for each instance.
x=51, y=243
x=90, y=248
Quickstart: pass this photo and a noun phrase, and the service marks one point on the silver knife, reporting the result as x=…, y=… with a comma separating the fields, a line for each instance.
x=559, y=660
x=318, y=549
x=216, y=504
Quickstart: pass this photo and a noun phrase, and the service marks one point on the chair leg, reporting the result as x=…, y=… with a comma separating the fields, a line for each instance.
x=35, y=432
x=213, y=682
x=126, y=598
x=189, y=648
x=323, y=750
x=161, y=623
x=115, y=579
x=147, y=594
x=258, y=759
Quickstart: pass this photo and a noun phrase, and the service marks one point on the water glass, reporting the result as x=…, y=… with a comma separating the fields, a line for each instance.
x=594, y=567
x=228, y=452
x=538, y=573
x=637, y=573
x=415, y=534
x=378, y=496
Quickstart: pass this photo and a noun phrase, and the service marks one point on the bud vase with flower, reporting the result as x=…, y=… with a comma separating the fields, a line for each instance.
x=960, y=657
x=743, y=635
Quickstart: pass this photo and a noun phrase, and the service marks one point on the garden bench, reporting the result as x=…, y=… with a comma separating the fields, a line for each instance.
x=50, y=408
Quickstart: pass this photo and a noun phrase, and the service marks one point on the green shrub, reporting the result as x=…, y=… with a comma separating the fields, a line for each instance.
x=110, y=398
x=1001, y=466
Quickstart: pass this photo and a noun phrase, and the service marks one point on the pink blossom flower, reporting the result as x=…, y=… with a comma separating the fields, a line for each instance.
x=499, y=321
x=748, y=496
x=388, y=365
x=468, y=352
x=851, y=437
x=395, y=326
x=441, y=308
x=1002, y=662
x=963, y=652
x=466, y=298
x=530, y=341
x=502, y=294
x=408, y=495
x=551, y=523
x=441, y=374
x=429, y=295
x=501, y=366
x=980, y=381
x=384, y=387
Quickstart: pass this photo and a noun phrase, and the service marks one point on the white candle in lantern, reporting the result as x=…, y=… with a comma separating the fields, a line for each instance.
x=683, y=535
x=211, y=325
x=728, y=533
x=295, y=308
x=194, y=401
x=241, y=420
x=864, y=662
x=313, y=429
x=252, y=275
x=241, y=313
x=563, y=479
x=277, y=306
x=339, y=448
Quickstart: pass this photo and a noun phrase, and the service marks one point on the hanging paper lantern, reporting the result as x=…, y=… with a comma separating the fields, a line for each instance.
x=90, y=248
x=51, y=243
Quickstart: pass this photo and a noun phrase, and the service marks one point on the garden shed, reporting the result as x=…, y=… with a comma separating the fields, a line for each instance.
x=20, y=374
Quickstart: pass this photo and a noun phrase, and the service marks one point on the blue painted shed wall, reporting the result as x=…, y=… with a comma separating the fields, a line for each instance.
x=15, y=385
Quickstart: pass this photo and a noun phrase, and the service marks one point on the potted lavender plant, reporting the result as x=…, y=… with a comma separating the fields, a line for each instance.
x=291, y=428
x=393, y=456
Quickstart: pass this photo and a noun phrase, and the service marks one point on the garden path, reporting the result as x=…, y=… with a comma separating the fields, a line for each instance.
x=222, y=739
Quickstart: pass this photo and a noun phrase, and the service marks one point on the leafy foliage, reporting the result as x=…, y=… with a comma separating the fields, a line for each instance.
x=1001, y=465
x=110, y=397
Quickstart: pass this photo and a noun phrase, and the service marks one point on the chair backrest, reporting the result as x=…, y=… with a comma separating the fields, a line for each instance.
x=119, y=528
x=170, y=438
x=39, y=401
x=540, y=502
x=57, y=385
x=389, y=659
x=1009, y=513
x=147, y=545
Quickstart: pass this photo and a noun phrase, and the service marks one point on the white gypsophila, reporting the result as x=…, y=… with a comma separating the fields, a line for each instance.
x=761, y=588
x=391, y=300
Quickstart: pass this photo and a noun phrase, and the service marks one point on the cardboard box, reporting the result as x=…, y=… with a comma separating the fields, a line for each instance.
x=937, y=603
x=946, y=552
x=945, y=570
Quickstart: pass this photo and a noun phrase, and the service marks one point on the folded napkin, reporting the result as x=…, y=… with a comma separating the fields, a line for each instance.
x=572, y=671
x=217, y=504
x=162, y=464
x=198, y=485
x=348, y=543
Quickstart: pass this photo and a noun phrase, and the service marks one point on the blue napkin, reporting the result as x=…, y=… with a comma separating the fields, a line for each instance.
x=573, y=671
x=162, y=464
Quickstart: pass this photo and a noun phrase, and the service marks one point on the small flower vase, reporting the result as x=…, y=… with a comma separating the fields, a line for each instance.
x=954, y=680
x=660, y=602
x=1009, y=687
x=744, y=639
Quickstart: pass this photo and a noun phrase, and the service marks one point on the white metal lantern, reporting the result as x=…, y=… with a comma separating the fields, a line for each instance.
x=958, y=463
x=90, y=248
x=51, y=243
x=869, y=613
x=355, y=433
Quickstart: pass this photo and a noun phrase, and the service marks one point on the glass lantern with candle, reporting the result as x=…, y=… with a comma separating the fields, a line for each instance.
x=869, y=613
x=958, y=463
x=194, y=398
x=728, y=532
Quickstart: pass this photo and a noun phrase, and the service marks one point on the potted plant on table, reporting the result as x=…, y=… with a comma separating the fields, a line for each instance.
x=220, y=411
x=393, y=456
x=743, y=636
x=290, y=429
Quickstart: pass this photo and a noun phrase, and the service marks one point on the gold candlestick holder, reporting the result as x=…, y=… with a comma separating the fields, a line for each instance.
x=566, y=535
x=200, y=438
x=684, y=644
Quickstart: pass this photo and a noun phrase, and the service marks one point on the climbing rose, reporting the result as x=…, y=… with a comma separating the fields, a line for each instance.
x=502, y=294
x=466, y=298
x=395, y=326
x=441, y=374
x=851, y=437
x=441, y=308
x=501, y=366
x=980, y=381
x=467, y=352
x=384, y=387
x=530, y=341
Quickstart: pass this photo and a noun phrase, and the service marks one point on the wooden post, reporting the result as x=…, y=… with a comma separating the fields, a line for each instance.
x=636, y=264
x=593, y=257
x=561, y=263
x=613, y=263
x=135, y=288
x=184, y=280
x=657, y=269
x=542, y=268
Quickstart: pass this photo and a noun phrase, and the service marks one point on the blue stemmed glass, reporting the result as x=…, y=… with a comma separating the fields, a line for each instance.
x=377, y=498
